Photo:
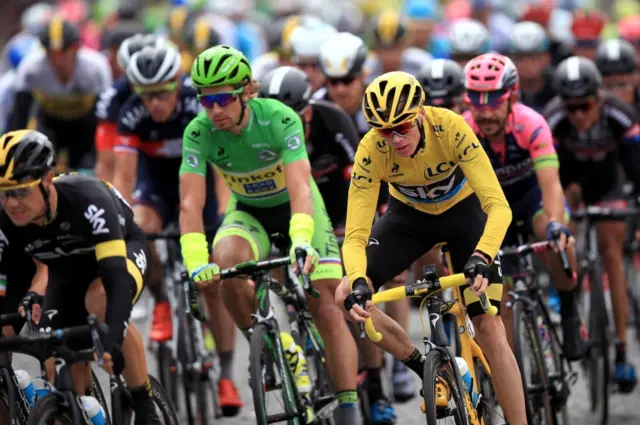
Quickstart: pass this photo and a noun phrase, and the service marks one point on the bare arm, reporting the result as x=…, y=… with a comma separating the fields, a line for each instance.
x=552, y=195
x=193, y=195
x=40, y=279
x=125, y=172
x=297, y=176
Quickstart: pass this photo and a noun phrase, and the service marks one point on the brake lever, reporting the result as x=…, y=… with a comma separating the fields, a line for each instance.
x=301, y=256
x=95, y=337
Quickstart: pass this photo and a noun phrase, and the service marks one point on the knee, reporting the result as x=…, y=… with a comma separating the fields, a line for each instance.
x=490, y=330
x=324, y=308
x=231, y=250
x=95, y=300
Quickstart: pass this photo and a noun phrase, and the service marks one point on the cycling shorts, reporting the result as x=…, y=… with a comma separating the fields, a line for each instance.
x=524, y=211
x=64, y=301
x=404, y=234
x=257, y=225
x=162, y=193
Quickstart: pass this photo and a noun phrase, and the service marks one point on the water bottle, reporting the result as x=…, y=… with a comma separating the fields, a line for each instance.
x=94, y=410
x=297, y=362
x=25, y=384
x=467, y=380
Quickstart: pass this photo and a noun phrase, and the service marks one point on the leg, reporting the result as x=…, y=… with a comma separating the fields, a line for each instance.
x=104, y=164
x=150, y=221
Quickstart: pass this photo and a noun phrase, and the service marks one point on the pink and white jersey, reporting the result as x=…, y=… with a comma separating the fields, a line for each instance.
x=528, y=146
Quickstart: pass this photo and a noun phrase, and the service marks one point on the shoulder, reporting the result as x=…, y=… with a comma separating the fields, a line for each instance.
x=34, y=62
x=110, y=99
x=554, y=113
x=332, y=114
x=131, y=114
x=198, y=129
x=82, y=189
x=443, y=120
x=529, y=120
x=92, y=59
x=189, y=100
x=619, y=112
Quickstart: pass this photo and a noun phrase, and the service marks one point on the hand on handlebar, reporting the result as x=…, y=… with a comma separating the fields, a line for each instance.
x=478, y=270
x=206, y=275
x=32, y=301
x=559, y=236
x=311, y=261
x=359, y=300
x=112, y=361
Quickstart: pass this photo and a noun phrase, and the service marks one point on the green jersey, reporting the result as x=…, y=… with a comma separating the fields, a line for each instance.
x=252, y=164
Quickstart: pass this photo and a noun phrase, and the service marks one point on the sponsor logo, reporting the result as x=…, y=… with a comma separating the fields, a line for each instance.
x=141, y=261
x=360, y=181
x=395, y=168
x=260, y=183
x=382, y=146
x=442, y=168
x=437, y=128
x=191, y=160
x=95, y=217
x=267, y=155
x=293, y=142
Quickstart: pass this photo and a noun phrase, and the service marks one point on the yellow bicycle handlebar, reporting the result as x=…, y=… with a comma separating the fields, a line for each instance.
x=399, y=293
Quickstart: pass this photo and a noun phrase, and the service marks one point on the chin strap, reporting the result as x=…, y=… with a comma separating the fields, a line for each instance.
x=45, y=195
x=421, y=143
x=243, y=104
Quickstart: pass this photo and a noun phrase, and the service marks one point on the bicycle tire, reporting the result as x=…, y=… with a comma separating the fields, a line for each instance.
x=437, y=366
x=536, y=393
x=21, y=405
x=561, y=412
x=167, y=371
x=96, y=391
x=487, y=407
x=48, y=408
x=163, y=402
x=185, y=360
x=259, y=353
x=323, y=390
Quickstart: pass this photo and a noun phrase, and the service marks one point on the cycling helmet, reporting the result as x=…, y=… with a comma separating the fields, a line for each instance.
x=24, y=154
x=289, y=85
x=629, y=28
x=177, y=20
x=296, y=21
x=154, y=65
x=392, y=99
x=220, y=66
x=128, y=10
x=442, y=81
x=59, y=34
x=35, y=17
x=616, y=57
x=345, y=16
x=113, y=37
x=588, y=24
x=134, y=44
x=577, y=77
x=306, y=42
x=343, y=54
x=528, y=37
x=422, y=10
x=490, y=72
x=469, y=37
x=389, y=29
x=540, y=14
x=201, y=35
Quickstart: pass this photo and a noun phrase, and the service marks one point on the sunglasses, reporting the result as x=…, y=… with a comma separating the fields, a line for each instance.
x=486, y=100
x=220, y=99
x=401, y=130
x=581, y=106
x=346, y=80
x=18, y=192
x=162, y=92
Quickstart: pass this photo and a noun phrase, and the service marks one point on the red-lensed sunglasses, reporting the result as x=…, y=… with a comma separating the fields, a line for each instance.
x=400, y=129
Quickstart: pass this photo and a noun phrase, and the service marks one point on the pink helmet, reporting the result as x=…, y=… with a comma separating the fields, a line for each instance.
x=490, y=72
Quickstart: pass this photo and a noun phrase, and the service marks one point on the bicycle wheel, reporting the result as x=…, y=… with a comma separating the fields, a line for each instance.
x=527, y=349
x=49, y=410
x=96, y=391
x=487, y=409
x=632, y=272
x=167, y=371
x=267, y=376
x=443, y=390
x=188, y=375
x=164, y=406
x=324, y=397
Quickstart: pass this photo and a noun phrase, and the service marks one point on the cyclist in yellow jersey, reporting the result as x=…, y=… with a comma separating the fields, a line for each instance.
x=442, y=189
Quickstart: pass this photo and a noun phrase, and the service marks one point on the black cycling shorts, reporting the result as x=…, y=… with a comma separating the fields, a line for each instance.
x=404, y=234
x=64, y=301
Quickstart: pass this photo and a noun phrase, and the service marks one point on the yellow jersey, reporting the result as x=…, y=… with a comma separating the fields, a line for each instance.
x=447, y=168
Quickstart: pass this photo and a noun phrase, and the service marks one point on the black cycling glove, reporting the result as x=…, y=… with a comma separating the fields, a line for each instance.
x=476, y=265
x=555, y=230
x=360, y=294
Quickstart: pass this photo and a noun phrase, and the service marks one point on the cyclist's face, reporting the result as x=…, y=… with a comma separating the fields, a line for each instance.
x=530, y=66
x=390, y=57
x=160, y=100
x=25, y=204
x=622, y=85
x=421, y=33
x=223, y=116
x=404, y=139
x=347, y=92
x=491, y=118
x=311, y=67
x=63, y=62
x=582, y=112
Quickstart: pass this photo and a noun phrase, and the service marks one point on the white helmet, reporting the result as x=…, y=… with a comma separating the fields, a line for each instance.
x=154, y=65
x=469, y=37
x=134, y=44
x=343, y=54
x=344, y=15
x=230, y=8
x=528, y=37
x=559, y=26
x=35, y=17
x=306, y=42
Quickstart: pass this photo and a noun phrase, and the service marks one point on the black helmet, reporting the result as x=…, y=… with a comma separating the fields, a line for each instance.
x=154, y=65
x=616, y=57
x=200, y=35
x=287, y=84
x=112, y=38
x=442, y=81
x=59, y=34
x=577, y=77
x=25, y=154
x=128, y=9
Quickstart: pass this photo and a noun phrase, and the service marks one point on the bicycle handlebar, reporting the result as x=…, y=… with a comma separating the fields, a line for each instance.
x=596, y=213
x=420, y=287
x=522, y=250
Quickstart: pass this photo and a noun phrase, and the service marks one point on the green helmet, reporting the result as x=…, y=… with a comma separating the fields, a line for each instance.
x=220, y=66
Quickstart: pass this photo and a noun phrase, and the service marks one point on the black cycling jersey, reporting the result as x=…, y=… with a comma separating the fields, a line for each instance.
x=87, y=238
x=111, y=99
x=591, y=158
x=331, y=146
x=538, y=101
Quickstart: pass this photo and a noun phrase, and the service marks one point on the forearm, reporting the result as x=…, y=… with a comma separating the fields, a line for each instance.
x=40, y=280
x=118, y=285
x=553, y=202
x=301, y=200
x=190, y=219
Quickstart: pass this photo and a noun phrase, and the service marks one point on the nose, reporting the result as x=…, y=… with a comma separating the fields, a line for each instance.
x=217, y=109
x=10, y=201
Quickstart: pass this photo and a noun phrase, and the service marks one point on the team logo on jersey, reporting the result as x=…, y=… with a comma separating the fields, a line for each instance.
x=96, y=219
x=435, y=192
x=263, y=183
x=293, y=142
x=267, y=155
x=191, y=160
x=65, y=226
x=382, y=146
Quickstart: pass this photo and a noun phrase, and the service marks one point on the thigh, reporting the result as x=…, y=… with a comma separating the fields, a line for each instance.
x=150, y=193
x=397, y=240
x=325, y=243
x=246, y=226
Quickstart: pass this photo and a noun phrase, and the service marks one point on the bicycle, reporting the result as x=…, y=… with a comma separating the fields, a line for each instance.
x=186, y=356
x=268, y=367
x=546, y=386
x=442, y=381
x=596, y=302
x=62, y=403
